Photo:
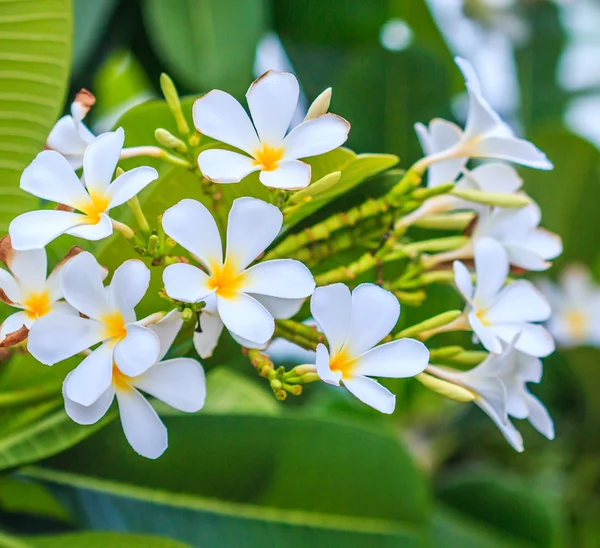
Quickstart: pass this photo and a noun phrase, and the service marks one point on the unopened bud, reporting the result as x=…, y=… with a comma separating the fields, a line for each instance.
x=276, y=385
x=432, y=323
x=445, y=388
x=295, y=389
x=172, y=97
x=84, y=101
x=187, y=315
x=153, y=244
x=470, y=357
x=423, y=194
x=195, y=139
x=436, y=354
x=167, y=139
x=323, y=184
x=320, y=105
x=281, y=395
x=496, y=199
x=450, y=221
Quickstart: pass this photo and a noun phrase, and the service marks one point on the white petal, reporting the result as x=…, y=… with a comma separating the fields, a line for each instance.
x=284, y=278
x=375, y=312
x=81, y=284
x=207, y=334
x=193, y=227
x=280, y=309
x=66, y=139
x=539, y=417
x=322, y=362
x=186, y=283
x=100, y=160
x=316, y=136
x=90, y=414
x=491, y=267
x=519, y=301
x=533, y=339
x=331, y=307
x=36, y=229
x=512, y=149
x=166, y=329
x=485, y=334
x=462, y=279
x=246, y=317
x=29, y=269
x=496, y=177
x=225, y=166
x=252, y=226
x=51, y=177
x=396, y=359
x=9, y=286
x=481, y=120
x=179, y=382
x=92, y=377
x=545, y=244
x=143, y=428
x=137, y=351
x=57, y=336
x=218, y=115
x=13, y=323
x=288, y=175
x=372, y=393
x=272, y=100
x=93, y=232
x=127, y=185
x=129, y=285
x=246, y=343
x=507, y=428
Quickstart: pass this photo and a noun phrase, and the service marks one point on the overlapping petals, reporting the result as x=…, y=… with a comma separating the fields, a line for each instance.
x=108, y=318
x=51, y=177
x=178, y=382
x=353, y=324
x=499, y=313
x=272, y=100
x=246, y=300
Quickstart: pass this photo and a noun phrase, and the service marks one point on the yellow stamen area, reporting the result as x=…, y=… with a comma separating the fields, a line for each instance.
x=577, y=323
x=114, y=326
x=482, y=315
x=226, y=280
x=37, y=305
x=343, y=363
x=268, y=157
x=94, y=208
x=120, y=380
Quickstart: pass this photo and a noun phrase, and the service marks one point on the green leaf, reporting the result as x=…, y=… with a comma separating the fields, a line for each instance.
x=249, y=481
x=35, y=51
x=19, y=496
x=208, y=44
x=101, y=540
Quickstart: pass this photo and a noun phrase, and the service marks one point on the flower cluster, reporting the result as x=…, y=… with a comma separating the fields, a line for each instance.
x=241, y=265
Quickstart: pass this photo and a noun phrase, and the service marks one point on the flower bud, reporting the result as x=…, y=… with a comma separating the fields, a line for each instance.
x=187, y=314
x=445, y=388
x=320, y=105
x=323, y=184
x=497, y=199
x=167, y=139
x=172, y=97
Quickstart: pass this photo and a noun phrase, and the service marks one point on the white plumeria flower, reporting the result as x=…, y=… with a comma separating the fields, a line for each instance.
x=51, y=177
x=499, y=313
x=485, y=136
x=26, y=286
x=517, y=230
x=70, y=136
x=575, y=304
x=272, y=100
x=246, y=300
x=179, y=382
x=499, y=388
x=353, y=324
x=109, y=318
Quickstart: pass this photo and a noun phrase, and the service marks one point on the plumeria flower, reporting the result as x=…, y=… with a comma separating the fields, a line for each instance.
x=485, y=136
x=70, y=136
x=517, y=230
x=499, y=387
x=245, y=300
x=499, y=313
x=353, y=324
x=26, y=286
x=179, y=382
x=575, y=304
x=51, y=177
x=272, y=100
x=108, y=318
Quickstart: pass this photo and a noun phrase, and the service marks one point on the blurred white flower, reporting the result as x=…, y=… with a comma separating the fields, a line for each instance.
x=246, y=300
x=108, y=317
x=353, y=324
x=575, y=304
x=178, y=382
x=272, y=100
x=497, y=312
x=51, y=177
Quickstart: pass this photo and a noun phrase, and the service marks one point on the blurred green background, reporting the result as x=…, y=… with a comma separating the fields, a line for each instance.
x=322, y=470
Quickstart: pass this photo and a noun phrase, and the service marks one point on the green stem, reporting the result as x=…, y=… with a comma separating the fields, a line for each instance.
x=140, y=218
x=298, y=333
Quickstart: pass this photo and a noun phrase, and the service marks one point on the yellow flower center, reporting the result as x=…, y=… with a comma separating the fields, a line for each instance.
x=343, y=363
x=120, y=380
x=226, y=280
x=37, y=305
x=482, y=315
x=268, y=157
x=94, y=208
x=577, y=323
x=114, y=326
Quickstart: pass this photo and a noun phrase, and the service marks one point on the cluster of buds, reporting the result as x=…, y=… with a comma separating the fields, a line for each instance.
x=241, y=270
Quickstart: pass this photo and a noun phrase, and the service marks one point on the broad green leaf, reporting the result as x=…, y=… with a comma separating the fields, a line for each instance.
x=249, y=481
x=20, y=496
x=101, y=540
x=208, y=44
x=35, y=51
